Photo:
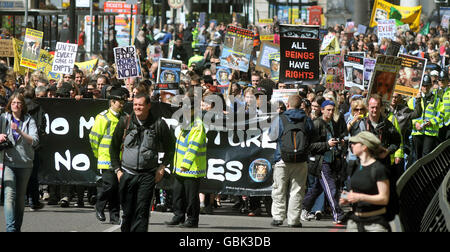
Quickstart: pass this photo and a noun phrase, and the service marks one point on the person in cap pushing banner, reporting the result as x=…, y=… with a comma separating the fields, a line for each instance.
x=100, y=140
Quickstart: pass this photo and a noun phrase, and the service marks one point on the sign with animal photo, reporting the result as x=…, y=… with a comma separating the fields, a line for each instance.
x=384, y=77
x=274, y=59
x=31, y=48
x=237, y=49
x=263, y=62
x=333, y=66
x=64, y=59
x=410, y=75
x=354, y=71
x=126, y=62
x=299, y=57
x=169, y=72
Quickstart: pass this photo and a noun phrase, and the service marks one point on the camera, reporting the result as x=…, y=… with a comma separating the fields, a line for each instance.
x=5, y=145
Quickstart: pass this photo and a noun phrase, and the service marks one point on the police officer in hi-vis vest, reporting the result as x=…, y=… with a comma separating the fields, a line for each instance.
x=100, y=139
x=189, y=167
x=425, y=129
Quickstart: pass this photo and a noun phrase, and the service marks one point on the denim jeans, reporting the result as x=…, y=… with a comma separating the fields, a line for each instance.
x=15, y=182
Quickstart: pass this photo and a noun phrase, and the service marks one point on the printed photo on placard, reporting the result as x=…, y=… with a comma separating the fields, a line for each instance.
x=384, y=77
x=31, y=48
x=410, y=75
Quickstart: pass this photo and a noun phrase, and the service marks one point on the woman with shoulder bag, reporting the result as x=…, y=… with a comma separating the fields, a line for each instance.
x=369, y=184
x=19, y=128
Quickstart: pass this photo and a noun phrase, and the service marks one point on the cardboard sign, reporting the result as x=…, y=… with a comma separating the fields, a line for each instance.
x=6, y=48
x=283, y=94
x=384, y=77
x=31, y=48
x=64, y=59
x=354, y=71
x=237, y=49
x=126, y=62
x=263, y=62
x=409, y=81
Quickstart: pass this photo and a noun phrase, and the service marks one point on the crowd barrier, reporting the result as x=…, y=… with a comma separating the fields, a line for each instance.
x=423, y=191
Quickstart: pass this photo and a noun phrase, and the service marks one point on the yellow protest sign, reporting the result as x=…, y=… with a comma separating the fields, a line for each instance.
x=45, y=62
x=410, y=15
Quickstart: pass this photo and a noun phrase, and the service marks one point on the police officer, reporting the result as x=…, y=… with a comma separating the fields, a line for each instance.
x=189, y=166
x=100, y=139
x=444, y=96
x=425, y=129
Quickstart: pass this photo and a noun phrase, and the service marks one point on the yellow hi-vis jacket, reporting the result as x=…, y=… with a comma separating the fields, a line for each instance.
x=431, y=113
x=190, y=151
x=399, y=153
x=101, y=135
x=446, y=107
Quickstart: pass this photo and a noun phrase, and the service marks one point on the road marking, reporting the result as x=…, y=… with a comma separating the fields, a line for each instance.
x=112, y=229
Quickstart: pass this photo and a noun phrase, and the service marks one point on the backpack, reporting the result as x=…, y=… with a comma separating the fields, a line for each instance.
x=294, y=141
x=393, y=207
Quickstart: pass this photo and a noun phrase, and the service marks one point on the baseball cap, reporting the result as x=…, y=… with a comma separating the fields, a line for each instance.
x=366, y=138
x=260, y=91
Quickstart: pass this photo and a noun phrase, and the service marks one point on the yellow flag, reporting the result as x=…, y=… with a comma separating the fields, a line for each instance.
x=410, y=15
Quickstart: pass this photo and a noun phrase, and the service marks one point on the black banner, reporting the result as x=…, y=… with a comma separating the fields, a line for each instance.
x=299, y=60
x=240, y=157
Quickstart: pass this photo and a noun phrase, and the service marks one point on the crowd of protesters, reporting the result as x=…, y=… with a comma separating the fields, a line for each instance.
x=410, y=127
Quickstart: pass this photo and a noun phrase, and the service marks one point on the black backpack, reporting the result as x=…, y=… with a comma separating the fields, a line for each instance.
x=294, y=141
x=393, y=207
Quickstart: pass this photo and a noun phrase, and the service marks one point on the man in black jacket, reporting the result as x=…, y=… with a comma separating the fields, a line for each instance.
x=179, y=52
x=142, y=135
x=324, y=148
x=381, y=127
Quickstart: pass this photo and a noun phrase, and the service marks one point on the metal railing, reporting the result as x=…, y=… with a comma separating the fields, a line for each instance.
x=437, y=215
x=418, y=192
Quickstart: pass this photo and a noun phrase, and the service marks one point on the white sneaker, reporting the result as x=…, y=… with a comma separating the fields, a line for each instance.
x=304, y=215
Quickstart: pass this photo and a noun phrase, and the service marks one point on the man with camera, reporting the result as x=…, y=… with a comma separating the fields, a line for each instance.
x=324, y=150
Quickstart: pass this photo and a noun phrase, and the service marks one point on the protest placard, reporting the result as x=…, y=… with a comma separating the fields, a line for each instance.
x=369, y=66
x=387, y=29
x=384, y=77
x=393, y=48
x=6, y=48
x=31, y=48
x=410, y=75
x=354, y=71
x=330, y=45
x=237, y=49
x=169, y=72
x=64, y=59
x=263, y=62
x=126, y=62
x=274, y=59
x=299, y=54
x=223, y=75
x=333, y=67
x=283, y=94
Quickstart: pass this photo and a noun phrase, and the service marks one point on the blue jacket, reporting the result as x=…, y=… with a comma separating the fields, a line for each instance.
x=277, y=128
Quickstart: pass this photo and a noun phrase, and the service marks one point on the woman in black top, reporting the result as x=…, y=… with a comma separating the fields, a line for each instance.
x=369, y=185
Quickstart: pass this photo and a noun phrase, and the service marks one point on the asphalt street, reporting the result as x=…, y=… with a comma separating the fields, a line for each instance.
x=224, y=219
